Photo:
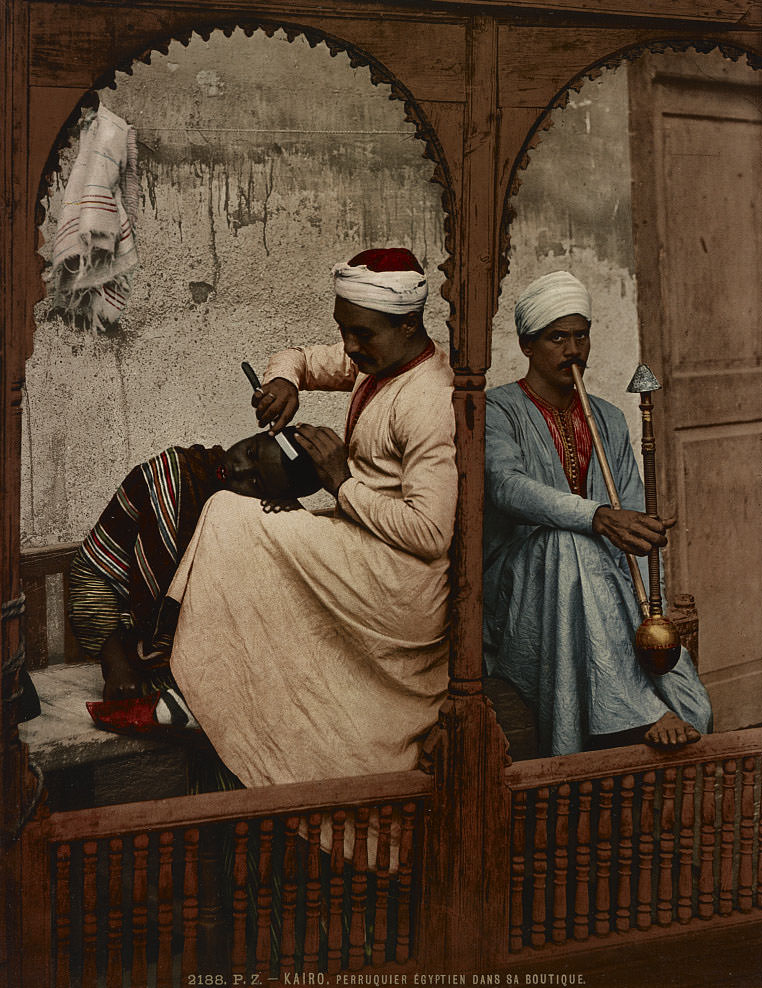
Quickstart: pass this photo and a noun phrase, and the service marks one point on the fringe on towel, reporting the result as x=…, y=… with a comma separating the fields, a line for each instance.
x=94, y=253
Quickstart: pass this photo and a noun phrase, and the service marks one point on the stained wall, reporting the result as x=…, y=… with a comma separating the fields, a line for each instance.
x=262, y=163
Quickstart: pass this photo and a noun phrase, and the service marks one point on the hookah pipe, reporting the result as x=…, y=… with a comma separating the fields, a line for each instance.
x=657, y=643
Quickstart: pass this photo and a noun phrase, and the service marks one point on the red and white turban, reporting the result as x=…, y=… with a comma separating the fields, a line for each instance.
x=548, y=298
x=386, y=279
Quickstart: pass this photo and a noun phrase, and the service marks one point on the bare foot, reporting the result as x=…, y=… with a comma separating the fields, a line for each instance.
x=671, y=732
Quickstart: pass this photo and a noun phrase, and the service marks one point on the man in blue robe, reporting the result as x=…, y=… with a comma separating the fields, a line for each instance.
x=560, y=613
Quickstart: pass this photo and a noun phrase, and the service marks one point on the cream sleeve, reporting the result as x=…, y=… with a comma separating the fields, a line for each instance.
x=324, y=367
x=422, y=519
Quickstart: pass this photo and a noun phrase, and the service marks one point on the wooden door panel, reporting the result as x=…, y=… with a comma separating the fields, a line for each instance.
x=714, y=396
x=711, y=180
x=721, y=548
x=697, y=174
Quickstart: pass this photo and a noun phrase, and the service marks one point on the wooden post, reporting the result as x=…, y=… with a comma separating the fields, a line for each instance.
x=16, y=234
x=37, y=931
x=465, y=908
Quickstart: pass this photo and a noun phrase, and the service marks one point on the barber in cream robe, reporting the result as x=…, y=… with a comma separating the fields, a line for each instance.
x=560, y=613
x=312, y=647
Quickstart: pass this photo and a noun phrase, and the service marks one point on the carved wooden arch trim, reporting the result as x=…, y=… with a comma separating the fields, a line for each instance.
x=379, y=74
x=544, y=122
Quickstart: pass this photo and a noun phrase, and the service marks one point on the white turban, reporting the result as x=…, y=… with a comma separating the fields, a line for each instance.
x=548, y=298
x=395, y=292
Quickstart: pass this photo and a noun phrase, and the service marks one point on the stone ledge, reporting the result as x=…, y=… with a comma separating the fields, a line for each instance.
x=84, y=766
x=64, y=734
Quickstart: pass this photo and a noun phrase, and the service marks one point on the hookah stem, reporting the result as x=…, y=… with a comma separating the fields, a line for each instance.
x=608, y=479
x=649, y=479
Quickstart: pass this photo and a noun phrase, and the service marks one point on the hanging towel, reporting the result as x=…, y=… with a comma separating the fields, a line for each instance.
x=94, y=254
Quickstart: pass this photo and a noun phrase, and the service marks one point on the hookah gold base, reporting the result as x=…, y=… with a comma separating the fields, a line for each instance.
x=657, y=645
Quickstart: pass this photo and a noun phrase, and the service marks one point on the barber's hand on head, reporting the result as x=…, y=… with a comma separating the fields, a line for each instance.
x=631, y=531
x=276, y=403
x=328, y=452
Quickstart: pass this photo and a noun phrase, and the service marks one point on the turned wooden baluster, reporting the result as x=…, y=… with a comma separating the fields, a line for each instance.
x=687, y=839
x=115, y=916
x=746, y=837
x=213, y=926
x=359, y=890
x=727, y=837
x=561, y=865
x=290, y=878
x=624, y=870
x=518, y=866
x=312, y=906
x=540, y=868
x=382, y=884
x=603, y=860
x=90, y=914
x=140, y=910
x=190, y=905
x=582, y=865
x=240, y=898
x=405, y=878
x=165, y=897
x=666, y=848
x=646, y=851
x=336, y=892
x=264, y=898
x=63, y=916
x=706, y=850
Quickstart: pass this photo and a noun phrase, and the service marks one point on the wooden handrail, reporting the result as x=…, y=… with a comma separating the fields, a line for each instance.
x=293, y=798
x=634, y=758
x=48, y=559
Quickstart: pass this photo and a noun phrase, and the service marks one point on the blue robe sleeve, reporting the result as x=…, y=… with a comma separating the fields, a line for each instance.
x=514, y=492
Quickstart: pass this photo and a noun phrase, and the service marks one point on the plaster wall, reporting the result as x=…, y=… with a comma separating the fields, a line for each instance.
x=263, y=163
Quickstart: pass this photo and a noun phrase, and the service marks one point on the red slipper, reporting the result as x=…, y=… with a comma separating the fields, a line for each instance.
x=133, y=715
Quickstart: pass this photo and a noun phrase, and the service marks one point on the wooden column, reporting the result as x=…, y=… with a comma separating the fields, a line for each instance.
x=15, y=235
x=465, y=909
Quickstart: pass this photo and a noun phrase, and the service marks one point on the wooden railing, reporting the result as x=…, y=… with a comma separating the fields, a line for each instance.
x=611, y=845
x=628, y=840
x=230, y=884
x=45, y=582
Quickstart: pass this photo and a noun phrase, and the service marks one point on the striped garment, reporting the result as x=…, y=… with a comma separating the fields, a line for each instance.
x=126, y=563
x=94, y=608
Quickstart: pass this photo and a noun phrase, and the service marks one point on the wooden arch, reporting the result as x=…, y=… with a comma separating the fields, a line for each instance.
x=544, y=121
x=379, y=75
x=481, y=74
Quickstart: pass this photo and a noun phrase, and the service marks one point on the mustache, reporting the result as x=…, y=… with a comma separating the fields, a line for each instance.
x=571, y=362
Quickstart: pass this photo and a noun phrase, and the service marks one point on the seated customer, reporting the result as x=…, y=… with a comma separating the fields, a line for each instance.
x=122, y=570
x=559, y=610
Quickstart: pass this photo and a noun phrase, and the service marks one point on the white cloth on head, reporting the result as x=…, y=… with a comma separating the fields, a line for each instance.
x=549, y=298
x=395, y=292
